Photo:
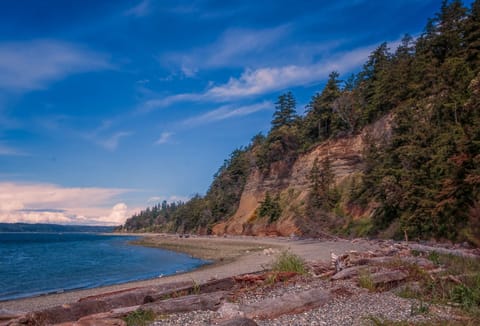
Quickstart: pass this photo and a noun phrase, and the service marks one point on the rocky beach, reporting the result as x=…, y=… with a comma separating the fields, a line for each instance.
x=240, y=284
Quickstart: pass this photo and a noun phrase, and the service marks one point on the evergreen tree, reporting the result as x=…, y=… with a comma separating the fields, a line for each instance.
x=373, y=84
x=320, y=122
x=285, y=111
x=321, y=179
x=421, y=177
x=472, y=37
x=270, y=207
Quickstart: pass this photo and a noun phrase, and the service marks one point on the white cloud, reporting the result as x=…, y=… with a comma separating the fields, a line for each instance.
x=255, y=82
x=265, y=80
x=31, y=65
x=164, y=138
x=141, y=9
x=118, y=214
x=49, y=203
x=228, y=111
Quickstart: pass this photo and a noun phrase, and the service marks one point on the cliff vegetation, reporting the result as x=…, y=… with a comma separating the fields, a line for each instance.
x=391, y=151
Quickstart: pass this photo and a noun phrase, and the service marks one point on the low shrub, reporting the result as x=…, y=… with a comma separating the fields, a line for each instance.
x=289, y=262
x=140, y=318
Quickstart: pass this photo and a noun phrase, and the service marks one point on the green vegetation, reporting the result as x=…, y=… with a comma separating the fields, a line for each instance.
x=195, y=287
x=458, y=284
x=365, y=280
x=199, y=213
x=419, y=309
x=289, y=262
x=377, y=321
x=423, y=181
x=140, y=318
x=270, y=207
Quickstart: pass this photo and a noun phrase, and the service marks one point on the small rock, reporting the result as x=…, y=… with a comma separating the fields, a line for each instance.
x=230, y=310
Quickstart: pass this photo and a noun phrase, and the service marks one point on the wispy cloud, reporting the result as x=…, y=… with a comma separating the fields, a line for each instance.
x=112, y=141
x=235, y=47
x=256, y=82
x=30, y=65
x=264, y=80
x=105, y=136
x=6, y=150
x=140, y=10
x=164, y=138
x=49, y=203
x=166, y=101
x=226, y=112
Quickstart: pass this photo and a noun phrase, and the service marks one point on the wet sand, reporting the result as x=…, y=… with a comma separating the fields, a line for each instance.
x=230, y=256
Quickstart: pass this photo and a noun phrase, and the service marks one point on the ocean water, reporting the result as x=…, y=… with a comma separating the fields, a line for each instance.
x=33, y=264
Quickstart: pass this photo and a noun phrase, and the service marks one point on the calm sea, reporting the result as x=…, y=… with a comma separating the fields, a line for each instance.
x=33, y=264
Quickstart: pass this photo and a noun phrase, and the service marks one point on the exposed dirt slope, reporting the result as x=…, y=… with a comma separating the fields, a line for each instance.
x=346, y=157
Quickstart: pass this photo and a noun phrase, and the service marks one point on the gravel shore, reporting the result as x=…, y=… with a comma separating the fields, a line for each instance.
x=356, y=306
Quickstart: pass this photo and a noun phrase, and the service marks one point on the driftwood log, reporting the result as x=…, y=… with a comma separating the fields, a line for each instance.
x=444, y=251
x=111, y=301
x=287, y=304
x=206, y=301
x=387, y=277
x=95, y=322
x=348, y=273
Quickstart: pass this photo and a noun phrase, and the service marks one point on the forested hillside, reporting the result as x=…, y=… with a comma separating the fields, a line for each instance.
x=423, y=181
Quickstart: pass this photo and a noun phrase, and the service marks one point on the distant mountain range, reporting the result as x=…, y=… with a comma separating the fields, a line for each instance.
x=25, y=227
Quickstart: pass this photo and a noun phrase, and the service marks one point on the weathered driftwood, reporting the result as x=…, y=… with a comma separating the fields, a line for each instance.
x=112, y=314
x=135, y=296
x=95, y=322
x=348, y=273
x=290, y=303
x=9, y=315
x=65, y=313
x=388, y=277
x=384, y=260
x=206, y=301
x=373, y=260
x=319, y=268
x=444, y=251
x=326, y=274
x=224, y=284
x=260, y=278
x=107, y=302
x=419, y=261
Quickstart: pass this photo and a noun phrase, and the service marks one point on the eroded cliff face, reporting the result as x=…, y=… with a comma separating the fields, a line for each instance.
x=346, y=158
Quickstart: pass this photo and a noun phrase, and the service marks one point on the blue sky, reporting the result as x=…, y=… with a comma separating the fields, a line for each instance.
x=109, y=106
